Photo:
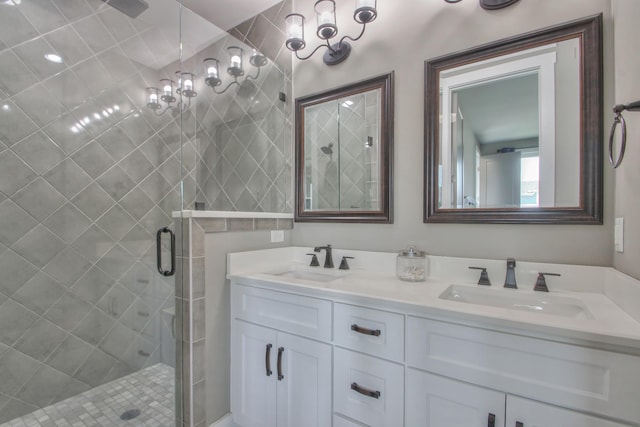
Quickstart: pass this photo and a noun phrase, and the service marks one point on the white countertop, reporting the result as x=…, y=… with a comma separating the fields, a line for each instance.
x=610, y=326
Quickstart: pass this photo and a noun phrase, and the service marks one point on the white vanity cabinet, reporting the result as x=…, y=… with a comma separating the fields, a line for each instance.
x=279, y=379
x=316, y=358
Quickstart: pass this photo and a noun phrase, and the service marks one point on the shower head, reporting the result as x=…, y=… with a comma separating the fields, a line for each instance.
x=131, y=8
x=327, y=149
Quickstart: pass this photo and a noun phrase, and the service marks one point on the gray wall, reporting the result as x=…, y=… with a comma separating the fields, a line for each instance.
x=627, y=89
x=405, y=35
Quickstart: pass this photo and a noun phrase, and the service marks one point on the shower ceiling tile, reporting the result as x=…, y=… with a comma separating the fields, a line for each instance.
x=116, y=262
x=116, y=182
x=118, y=24
x=68, y=178
x=73, y=9
x=68, y=223
x=15, y=370
x=14, y=222
x=93, y=285
x=14, y=27
x=93, y=159
x=92, y=329
x=72, y=353
x=68, y=45
x=94, y=33
x=116, y=222
x=94, y=75
x=39, y=199
x=116, y=63
x=39, y=151
x=137, y=129
x=139, y=53
x=40, y=340
x=14, y=124
x=15, y=75
x=39, y=293
x=14, y=173
x=93, y=201
x=39, y=246
x=32, y=54
x=43, y=15
x=41, y=106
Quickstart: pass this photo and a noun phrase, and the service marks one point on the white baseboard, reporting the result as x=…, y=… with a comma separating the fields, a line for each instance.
x=226, y=421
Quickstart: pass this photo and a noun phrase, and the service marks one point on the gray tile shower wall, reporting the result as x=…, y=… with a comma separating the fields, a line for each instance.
x=244, y=156
x=87, y=175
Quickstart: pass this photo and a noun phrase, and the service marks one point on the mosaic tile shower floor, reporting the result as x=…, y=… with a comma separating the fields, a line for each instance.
x=151, y=390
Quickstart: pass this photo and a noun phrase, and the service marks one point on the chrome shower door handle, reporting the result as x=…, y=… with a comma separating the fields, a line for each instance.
x=172, y=235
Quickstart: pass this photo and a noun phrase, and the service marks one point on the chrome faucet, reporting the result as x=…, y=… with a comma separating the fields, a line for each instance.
x=510, y=280
x=328, y=259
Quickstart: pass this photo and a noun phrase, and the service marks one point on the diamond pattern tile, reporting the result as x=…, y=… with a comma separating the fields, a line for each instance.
x=39, y=199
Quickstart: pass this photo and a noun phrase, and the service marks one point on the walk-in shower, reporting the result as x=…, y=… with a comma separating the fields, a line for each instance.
x=88, y=175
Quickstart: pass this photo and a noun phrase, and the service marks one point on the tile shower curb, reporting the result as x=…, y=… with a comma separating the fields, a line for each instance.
x=190, y=302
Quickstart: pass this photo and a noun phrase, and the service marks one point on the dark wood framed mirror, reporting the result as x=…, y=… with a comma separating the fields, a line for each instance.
x=514, y=132
x=344, y=153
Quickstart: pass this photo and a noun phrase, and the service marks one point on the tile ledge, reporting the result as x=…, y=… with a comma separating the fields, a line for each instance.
x=230, y=214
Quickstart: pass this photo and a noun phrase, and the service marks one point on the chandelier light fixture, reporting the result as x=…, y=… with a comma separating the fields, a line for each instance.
x=490, y=4
x=235, y=68
x=365, y=12
x=184, y=89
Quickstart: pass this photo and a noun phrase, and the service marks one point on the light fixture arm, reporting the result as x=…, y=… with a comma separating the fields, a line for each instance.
x=327, y=45
x=364, y=27
x=250, y=77
x=234, y=82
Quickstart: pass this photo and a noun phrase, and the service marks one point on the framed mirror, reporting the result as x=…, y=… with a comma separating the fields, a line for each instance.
x=513, y=129
x=344, y=150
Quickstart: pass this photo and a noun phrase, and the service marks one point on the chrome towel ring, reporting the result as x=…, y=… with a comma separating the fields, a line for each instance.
x=619, y=120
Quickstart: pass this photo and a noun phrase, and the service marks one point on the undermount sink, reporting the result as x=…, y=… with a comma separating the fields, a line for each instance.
x=514, y=299
x=310, y=275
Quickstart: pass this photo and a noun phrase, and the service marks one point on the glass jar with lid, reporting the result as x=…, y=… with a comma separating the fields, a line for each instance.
x=411, y=265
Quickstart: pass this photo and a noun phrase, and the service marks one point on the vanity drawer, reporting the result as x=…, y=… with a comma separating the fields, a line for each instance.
x=566, y=375
x=379, y=333
x=339, y=421
x=367, y=389
x=309, y=317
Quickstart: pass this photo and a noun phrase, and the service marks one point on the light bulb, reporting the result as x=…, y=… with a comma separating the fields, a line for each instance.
x=212, y=72
x=235, y=61
x=325, y=18
x=295, y=31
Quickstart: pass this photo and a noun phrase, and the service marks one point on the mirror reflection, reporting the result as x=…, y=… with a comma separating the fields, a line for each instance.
x=343, y=144
x=512, y=136
x=513, y=129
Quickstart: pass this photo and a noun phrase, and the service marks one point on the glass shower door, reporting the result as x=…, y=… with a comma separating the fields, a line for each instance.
x=90, y=170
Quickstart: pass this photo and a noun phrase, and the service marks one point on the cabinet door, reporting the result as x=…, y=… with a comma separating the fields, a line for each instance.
x=435, y=401
x=527, y=413
x=253, y=375
x=304, y=389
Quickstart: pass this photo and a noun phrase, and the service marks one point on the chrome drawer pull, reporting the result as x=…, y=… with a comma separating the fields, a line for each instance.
x=365, y=331
x=364, y=391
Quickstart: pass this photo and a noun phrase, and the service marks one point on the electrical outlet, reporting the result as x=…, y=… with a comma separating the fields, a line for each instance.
x=277, y=236
x=618, y=237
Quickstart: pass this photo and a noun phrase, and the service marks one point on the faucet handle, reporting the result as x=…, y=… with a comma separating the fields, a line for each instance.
x=541, y=283
x=484, y=276
x=314, y=260
x=344, y=265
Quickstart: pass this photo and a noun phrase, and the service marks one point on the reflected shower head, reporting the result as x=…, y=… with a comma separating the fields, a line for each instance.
x=131, y=8
x=327, y=149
